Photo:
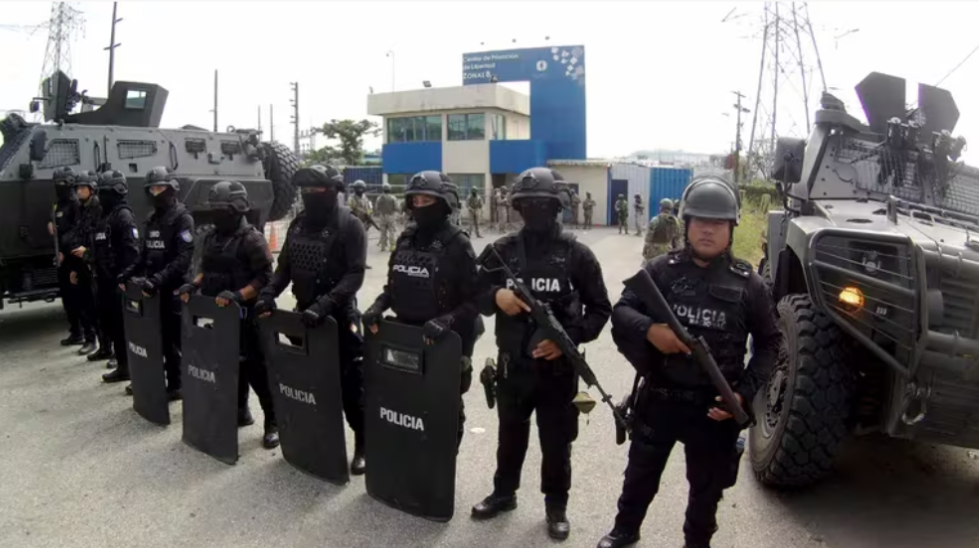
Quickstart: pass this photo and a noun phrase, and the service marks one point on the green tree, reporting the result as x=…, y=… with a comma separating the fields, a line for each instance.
x=349, y=150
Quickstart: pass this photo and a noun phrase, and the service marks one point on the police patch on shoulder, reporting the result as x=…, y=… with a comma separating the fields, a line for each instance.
x=187, y=236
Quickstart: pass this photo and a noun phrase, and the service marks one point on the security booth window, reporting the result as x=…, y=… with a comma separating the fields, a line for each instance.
x=413, y=129
x=497, y=127
x=467, y=127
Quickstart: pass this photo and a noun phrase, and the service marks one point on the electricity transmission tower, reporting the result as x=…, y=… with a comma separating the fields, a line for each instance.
x=64, y=24
x=790, y=73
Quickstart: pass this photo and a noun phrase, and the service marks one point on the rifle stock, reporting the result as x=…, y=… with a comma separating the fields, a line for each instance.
x=643, y=286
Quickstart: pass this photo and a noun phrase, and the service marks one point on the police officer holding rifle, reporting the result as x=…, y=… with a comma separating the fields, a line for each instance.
x=683, y=322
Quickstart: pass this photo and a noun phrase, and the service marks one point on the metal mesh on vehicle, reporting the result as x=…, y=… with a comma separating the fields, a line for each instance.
x=11, y=145
x=61, y=152
x=136, y=149
x=911, y=175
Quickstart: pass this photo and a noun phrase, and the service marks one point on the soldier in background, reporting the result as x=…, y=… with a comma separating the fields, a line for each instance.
x=475, y=205
x=588, y=208
x=81, y=241
x=359, y=204
x=664, y=232
x=504, y=211
x=640, y=211
x=575, y=203
x=386, y=208
x=63, y=217
x=494, y=210
x=622, y=211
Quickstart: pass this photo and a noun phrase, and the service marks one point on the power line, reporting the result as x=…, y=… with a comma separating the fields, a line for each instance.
x=971, y=53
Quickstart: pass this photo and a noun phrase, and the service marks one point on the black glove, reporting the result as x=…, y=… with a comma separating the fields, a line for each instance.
x=233, y=296
x=313, y=316
x=437, y=328
x=372, y=316
x=148, y=286
x=264, y=305
x=187, y=289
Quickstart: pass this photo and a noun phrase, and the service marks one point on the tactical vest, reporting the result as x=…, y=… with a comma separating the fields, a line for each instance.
x=548, y=278
x=162, y=232
x=711, y=306
x=221, y=263
x=309, y=256
x=664, y=229
x=386, y=205
x=105, y=240
x=420, y=290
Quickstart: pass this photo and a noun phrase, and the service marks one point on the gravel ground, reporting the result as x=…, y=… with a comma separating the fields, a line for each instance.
x=78, y=468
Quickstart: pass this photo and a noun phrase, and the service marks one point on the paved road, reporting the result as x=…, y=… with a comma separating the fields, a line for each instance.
x=78, y=468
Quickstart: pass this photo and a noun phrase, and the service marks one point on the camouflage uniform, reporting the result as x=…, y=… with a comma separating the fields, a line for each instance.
x=663, y=234
x=640, y=211
x=494, y=210
x=475, y=205
x=622, y=210
x=503, y=211
x=575, y=203
x=588, y=207
x=387, y=209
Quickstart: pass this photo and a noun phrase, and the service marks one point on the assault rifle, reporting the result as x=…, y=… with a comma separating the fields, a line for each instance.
x=643, y=286
x=552, y=330
x=366, y=219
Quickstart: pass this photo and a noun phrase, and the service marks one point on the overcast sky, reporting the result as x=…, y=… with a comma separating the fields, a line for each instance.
x=659, y=74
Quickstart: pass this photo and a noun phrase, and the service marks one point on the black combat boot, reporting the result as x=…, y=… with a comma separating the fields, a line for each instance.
x=271, y=438
x=173, y=394
x=618, y=539
x=129, y=390
x=245, y=417
x=73, y=340
x=88, y=348
x=117, y=375
x=558, y=527
x=112, y=364
x=494, y=505
x=358, y=465
x=104, y=353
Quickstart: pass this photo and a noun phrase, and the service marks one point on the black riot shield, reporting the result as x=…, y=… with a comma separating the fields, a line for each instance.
x=144, y=343
x=210, y=377
x=304, y=375
x=412, y=419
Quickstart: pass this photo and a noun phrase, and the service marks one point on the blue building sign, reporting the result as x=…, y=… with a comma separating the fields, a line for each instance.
x=557, y=92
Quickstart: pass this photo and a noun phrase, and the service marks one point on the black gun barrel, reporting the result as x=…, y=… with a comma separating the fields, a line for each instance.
x=642, y=285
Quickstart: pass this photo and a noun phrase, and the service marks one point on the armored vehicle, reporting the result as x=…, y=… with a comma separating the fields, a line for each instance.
x=123, y=134
x=874, y=264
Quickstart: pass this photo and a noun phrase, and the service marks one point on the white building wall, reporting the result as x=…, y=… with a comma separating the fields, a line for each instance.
x=517, y=127
x=465, y=157
x=592, y=179
x=479, y=97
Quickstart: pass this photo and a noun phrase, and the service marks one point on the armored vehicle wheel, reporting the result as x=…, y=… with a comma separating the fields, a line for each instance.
x=801, y=414
x=280, y=165
x=765, y=271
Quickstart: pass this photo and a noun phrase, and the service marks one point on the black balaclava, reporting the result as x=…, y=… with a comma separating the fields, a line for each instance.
x=165, y=199
x=539, y=214
x=110, y=199
x=431, y=216
x=64, y=193
x=226, y=220
x=320, y=206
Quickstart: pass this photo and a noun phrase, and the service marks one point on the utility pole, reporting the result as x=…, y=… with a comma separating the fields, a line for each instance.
x=112, y=46
x=778, y=67
x=215, y=100
x=271, y=125
x=737, y=136
x=295, y=115
x=259, y=118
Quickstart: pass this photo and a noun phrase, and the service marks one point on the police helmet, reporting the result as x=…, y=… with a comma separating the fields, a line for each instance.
x=161, y=175
x=666, y=204
x=435, y=184
x=318, y=176
x=87, y=178
x=228, y=195
x=385, y=188
x=115, y=181
x=64, y=176
x=538, y=182
x=621, y=196
x=710, y=197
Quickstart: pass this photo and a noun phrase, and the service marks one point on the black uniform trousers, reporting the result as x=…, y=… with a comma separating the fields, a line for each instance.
x=88, y=313
x=170, y=327
x=111, y=325
x=548, y=388
x=252, y=371
x=710, y=450
x=69, y=300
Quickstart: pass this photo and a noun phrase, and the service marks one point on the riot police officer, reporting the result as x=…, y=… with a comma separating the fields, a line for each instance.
x=164, y=259
x=446, y=301
x=720, y=298
x=78, y=257
x=64, y=214
x=116, y=247
x=236, y=264
x=533, y=376
x=323, y=257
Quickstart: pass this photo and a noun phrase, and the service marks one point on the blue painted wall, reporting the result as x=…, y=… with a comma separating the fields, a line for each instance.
x=412, y=157
x=666, y=182
x=516, y=156
x=557, y=92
